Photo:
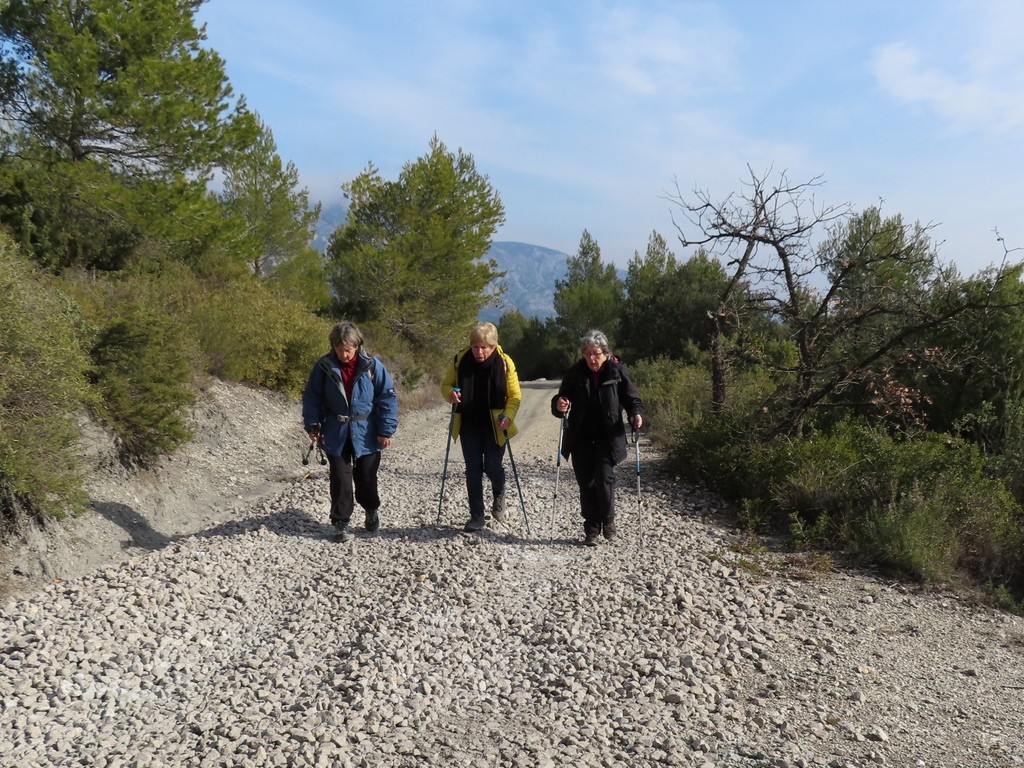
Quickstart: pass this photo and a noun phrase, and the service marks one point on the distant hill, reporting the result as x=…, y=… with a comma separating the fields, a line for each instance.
x=331, y=216
x=530, y=275
x=530, y=270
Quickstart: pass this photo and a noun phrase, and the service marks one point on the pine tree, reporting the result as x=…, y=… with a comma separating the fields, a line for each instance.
x=411, y=254
x=115, y=118
x=590, y=296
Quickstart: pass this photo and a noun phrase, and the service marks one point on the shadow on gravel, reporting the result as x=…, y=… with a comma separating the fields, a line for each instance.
x=140, y=533
x=290, y=521
x=293, y=521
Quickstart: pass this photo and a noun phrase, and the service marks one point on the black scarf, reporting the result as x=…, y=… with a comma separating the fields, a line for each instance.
x=484, y=385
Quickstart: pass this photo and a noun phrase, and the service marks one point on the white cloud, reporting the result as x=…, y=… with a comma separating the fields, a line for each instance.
x=972, y=80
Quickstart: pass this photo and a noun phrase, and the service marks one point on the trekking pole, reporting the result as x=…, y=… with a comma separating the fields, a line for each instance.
x=558, y=466
x=515, y=474
x=639, y=506
x=447, y=449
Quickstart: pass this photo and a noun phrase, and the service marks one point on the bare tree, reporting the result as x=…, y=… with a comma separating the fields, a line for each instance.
x=762, y=237
x=852, y=292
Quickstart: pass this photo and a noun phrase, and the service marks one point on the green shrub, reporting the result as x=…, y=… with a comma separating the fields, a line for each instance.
x=959, y=522
x=676, y=396
x=144, y=359
x=249, y=333
x=724, y=451
x=923, y=504
x=910, y=535
x=1009, y=464
x=42, y=387
x=142, y=374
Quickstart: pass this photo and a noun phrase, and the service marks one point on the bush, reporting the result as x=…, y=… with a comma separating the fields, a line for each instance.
x=910, y=535
x=143, y=358
x=921, y=505
x=924, y=504
x=42, y=387
x=143, y=377
x=954, y=520
x=724, y=451
x=1009, y=464
x=676, y=397
x=250, y=334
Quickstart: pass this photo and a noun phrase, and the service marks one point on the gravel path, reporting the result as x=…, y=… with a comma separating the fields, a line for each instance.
x=257, y=641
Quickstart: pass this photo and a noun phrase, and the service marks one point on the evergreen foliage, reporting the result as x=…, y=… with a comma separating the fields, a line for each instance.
x=666, y=312
x=275, y=219
x=535, y=345
x=114, y=118
x=42, y=388
x=142, y=375
x=411, y=254
x=590, y=296
x=250, y=333
x=143, y=358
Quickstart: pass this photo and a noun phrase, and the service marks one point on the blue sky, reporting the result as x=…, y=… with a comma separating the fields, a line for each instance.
x=586, y=114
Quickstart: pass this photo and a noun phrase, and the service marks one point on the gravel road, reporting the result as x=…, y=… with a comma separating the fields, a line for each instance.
x=202, y=616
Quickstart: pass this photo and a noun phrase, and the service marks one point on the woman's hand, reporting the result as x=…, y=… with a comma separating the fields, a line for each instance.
x=637, y=421
x=455, y=396
x=562, y=406
x=504, y=422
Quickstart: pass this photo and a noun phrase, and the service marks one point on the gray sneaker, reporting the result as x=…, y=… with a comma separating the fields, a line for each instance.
x=475, y=524
x=498, y=508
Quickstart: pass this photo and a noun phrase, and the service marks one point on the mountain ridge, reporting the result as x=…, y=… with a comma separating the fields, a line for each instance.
x=530, y=270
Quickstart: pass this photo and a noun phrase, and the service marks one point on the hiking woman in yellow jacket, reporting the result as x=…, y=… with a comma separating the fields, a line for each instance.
x=483, y=385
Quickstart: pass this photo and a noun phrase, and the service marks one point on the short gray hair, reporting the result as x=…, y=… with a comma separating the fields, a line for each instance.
x=595, y=338
x=346, y=333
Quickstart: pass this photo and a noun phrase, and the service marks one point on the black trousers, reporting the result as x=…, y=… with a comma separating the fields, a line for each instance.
x=595, y=472
x=482, y=455
x=347, y=470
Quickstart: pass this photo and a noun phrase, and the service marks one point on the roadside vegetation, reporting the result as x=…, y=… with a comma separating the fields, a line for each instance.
x=824, y=371
x=819, y=367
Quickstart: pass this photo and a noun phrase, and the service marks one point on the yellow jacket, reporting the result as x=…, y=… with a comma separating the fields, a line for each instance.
x=513, y=396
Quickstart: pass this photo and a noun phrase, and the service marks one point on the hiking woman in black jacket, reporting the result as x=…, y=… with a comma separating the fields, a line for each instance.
x=592, y=396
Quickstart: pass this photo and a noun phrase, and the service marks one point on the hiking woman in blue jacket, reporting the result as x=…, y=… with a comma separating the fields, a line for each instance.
x=350, y=406
x=592, y=397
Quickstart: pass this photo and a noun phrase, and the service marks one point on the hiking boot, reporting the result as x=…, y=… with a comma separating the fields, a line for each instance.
x=590, y=535
x=498, y=508
x=475, y=524
x=609, y=530
x=342, y=533
x=372, y=521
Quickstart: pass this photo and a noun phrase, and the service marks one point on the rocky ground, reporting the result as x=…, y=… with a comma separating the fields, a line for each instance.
x=202, y=615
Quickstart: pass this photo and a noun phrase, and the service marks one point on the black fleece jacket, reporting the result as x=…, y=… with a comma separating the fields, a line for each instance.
x=598, y=415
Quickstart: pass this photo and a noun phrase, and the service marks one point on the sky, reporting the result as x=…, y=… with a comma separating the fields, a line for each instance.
x=598, y=115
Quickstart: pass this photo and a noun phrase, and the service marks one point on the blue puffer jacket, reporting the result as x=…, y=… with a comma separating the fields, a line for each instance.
x=372, y=412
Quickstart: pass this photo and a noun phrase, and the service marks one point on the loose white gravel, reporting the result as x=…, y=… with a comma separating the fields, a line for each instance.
x=260, y=642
